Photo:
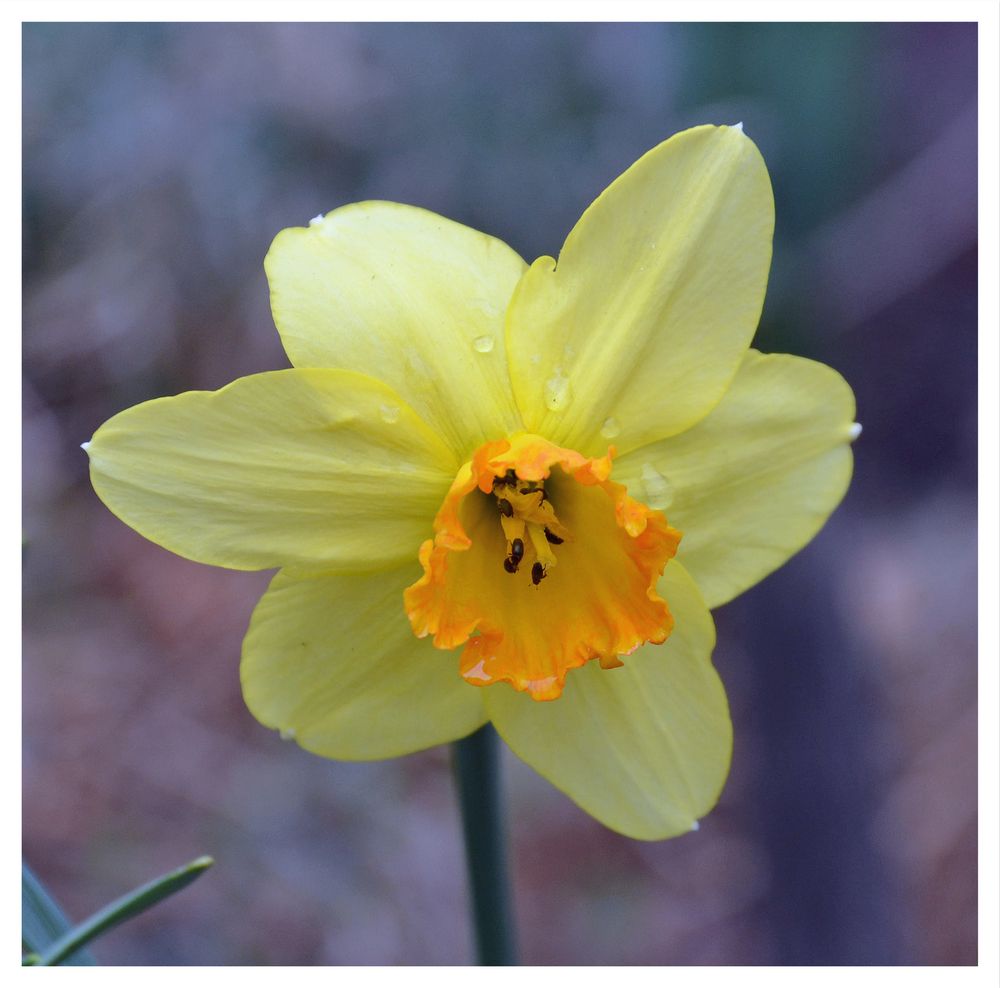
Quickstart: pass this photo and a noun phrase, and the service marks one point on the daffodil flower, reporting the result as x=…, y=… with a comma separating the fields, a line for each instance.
x=508, y=493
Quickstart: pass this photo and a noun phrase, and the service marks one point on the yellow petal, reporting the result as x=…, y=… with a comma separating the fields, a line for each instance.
x=332, y=662
x=312, y=469
x=756, y=479
x=655, y=298
x=645, y=747
x=409, y=297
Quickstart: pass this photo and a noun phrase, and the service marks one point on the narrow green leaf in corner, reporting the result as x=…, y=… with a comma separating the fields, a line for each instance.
x=42, y=921
x=131, y=904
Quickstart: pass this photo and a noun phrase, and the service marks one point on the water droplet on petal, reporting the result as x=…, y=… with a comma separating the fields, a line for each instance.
x=287, y=734
x=482, y=344
x=611, y=428
x=389, y=414
x=695, y=826
x=417, y=365
x=854, y=431
x=659, y=491
x=316, y=220
x=557, y=391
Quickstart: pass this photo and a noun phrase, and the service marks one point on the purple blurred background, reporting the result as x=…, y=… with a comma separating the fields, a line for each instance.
x=160, y=161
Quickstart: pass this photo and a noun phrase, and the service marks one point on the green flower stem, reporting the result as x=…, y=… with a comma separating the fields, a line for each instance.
x=476, y=760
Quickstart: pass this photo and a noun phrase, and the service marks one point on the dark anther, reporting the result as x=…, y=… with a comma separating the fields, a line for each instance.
x=554, y=539
x=510, y=565
x=517, y=551
x=506, y=508
x=537, y=573
x=527, y=490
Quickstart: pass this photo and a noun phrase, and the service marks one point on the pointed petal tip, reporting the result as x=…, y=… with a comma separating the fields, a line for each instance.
x=316, y=220
x=737, y=126
x=86, y=446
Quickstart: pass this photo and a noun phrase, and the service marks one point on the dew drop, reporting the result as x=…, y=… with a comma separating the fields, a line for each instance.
x=659, y=490
x=316, y=220
x=389, y=414
x=695, y=826
x=557, y=391
x=482, y=344
x=611, y=428
x=854, y=431
x=287, y=734
x=417, y=365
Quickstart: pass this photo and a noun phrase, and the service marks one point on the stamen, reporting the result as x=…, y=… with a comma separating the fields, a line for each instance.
x=527, y=515
x=517, y=552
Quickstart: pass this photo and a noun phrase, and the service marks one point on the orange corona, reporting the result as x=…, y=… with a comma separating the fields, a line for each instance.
x=540, y=563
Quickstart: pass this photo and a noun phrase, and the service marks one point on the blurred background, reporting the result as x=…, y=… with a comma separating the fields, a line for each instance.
x=159, y=162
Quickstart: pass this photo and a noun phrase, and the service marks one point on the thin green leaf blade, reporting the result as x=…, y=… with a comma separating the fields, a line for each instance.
x=129, y=905
x=42, y=921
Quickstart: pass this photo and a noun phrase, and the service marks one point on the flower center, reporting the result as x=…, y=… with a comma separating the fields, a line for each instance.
x=599, y=602
x=527, y=513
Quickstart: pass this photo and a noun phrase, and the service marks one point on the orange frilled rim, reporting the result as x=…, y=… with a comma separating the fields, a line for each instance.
x=583, y=584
